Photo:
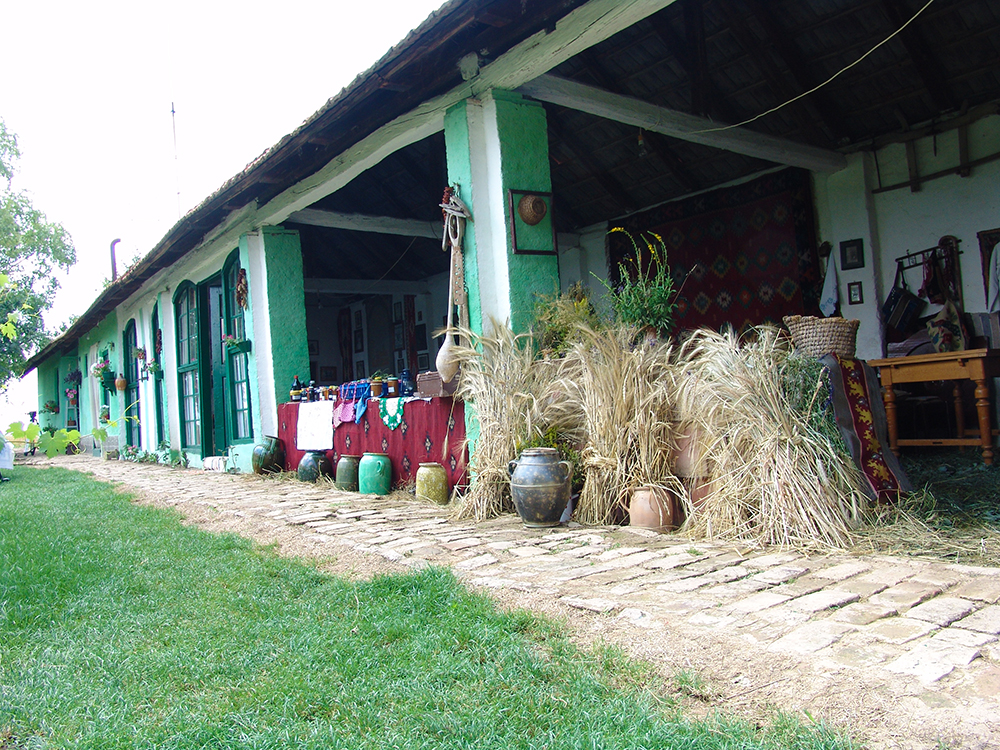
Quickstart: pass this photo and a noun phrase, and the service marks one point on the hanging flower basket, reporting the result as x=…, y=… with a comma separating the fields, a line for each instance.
x=236, y=345
x=108, y=381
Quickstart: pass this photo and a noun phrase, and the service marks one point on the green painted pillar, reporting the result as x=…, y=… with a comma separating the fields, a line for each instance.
x=281, y=310
x=495, y=144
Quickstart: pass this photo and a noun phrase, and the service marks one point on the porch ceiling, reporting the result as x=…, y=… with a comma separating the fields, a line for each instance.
x=727, y=61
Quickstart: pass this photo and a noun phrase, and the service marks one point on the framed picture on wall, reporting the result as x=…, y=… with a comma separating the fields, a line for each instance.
x=423, y=362
x=328, y=374
x=313, y=347
x=357, y=320
x=854, y=293
x=852, y=254
x=359, y=370
x=359, y=341
x=398, y=336
x=397, y=312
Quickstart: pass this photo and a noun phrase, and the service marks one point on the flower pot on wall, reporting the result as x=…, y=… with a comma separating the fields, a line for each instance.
x=121, y=383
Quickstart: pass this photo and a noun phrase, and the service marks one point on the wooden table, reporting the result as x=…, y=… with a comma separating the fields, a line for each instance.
x=975, y=364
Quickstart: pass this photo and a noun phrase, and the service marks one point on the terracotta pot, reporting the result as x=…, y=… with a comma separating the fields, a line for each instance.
x=698, y=489
x=654, y=508
x=121, y=383
x=688, y=452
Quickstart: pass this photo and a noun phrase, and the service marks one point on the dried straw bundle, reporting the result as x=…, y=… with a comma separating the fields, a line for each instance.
x=621, y=391
x=774, y=479
x=502, y=380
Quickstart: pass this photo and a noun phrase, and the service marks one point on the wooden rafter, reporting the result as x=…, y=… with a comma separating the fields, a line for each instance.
x=797, y=64
x=654, y=141
x=921, y=53
x=582, y=155
x=694, y=30
x=680, y=125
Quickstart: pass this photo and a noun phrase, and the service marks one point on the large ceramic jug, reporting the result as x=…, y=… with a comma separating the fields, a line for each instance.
x=347, y=473
x=268, y=456
x=540, y=486
x=432, y=483
x=374, y=474
x=313, y=465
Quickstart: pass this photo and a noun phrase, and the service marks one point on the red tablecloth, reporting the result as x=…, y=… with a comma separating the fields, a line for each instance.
x=430, y=431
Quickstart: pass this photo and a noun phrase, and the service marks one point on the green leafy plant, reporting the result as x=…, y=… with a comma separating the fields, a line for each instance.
x=49, y=439
x=645, y=295
x=558, y=318
x=50, y=407
x=74, y=378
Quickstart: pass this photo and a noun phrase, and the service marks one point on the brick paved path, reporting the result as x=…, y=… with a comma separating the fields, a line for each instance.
x=934, y=624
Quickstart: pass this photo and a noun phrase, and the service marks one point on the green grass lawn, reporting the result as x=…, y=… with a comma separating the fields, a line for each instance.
x=119, y=627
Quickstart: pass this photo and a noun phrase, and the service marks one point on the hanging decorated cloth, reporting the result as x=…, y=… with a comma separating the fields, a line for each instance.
x=391, y=412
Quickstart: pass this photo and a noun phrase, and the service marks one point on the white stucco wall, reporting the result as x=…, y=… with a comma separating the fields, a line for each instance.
x=896, y=221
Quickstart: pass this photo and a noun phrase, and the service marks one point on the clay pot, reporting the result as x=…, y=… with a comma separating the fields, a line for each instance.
x=432, y=483
x=313, y=465
x=688, y=453
x=347, y=473
x=447, y=361
x=268, y=457
x=698, y=489
x=374, y=474
x=540, y=486
x=121, y=383
x=654, y=508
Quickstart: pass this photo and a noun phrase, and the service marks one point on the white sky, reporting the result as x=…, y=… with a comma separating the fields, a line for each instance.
x=88, y=87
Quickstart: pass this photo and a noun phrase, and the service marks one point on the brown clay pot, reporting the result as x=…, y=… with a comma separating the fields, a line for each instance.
x=698, y=490
x=654, y=508
x=687, y=453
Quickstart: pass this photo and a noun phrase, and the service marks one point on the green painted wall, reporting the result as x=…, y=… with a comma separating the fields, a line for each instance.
x=456, y=139
x=106, y=336
x=286, y=313
x=524, y=165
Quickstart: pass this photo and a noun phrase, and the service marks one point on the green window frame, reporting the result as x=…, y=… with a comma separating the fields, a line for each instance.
x=130, y=369
x=188, y=384
x=239, y=422
x=154, y=355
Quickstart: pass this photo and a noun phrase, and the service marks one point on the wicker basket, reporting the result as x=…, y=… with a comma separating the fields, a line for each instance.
x=821, y=336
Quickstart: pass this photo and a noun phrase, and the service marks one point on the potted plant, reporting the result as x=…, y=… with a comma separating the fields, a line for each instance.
x=71, y=394
x=235, y=344
x=139, y=353
x=50, y=407
x=103, y=372
x=153, y=367
x=104, y=415
x=74, y=378
x=645, y=296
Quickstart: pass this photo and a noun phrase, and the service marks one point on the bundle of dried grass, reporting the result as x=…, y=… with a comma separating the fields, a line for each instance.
x=622, y=392
x=506, y=387
x=774, y=479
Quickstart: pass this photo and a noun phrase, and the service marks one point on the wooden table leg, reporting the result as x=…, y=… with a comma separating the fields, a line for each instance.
x=983, y=409
x=889, y=397
x=959, y=410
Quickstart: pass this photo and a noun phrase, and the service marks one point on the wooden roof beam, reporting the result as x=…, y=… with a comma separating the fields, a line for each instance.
x=927, y=65
x=631, y=111
x=720, y=105
x=606, y=180
x=800, y=68
x=362, y=223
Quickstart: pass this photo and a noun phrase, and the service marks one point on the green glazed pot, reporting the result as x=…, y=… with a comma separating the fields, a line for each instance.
x=374, y=474
x=347, y=473
x=314, y=465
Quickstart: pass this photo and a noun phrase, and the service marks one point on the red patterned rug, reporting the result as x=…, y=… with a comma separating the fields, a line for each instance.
x=746, y=254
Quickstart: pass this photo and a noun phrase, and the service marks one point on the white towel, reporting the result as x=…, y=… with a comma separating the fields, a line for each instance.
x=315, y=426
x=830, y=297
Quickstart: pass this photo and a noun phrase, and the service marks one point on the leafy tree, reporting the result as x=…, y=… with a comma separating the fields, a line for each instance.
x=31, y=250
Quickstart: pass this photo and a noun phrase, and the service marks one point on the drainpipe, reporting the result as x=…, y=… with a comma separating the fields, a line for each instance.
x=114, y=268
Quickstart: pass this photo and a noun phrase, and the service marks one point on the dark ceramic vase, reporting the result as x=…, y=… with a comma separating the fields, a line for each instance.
x=313, y=465
x=540, y=487
x=268, y=456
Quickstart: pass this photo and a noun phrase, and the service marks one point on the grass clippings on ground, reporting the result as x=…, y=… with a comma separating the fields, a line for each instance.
x=120, y=627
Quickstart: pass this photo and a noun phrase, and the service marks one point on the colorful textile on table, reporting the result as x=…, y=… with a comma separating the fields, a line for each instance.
x=430, y=431
x=862, y=422
x=746, y=255
x=391, y=411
